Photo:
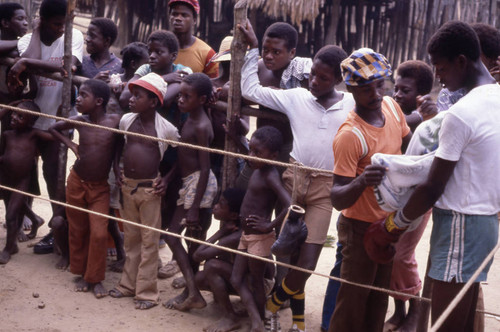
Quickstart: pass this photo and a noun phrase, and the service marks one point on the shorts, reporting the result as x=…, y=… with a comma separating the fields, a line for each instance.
x=460, y=243
x=188, y=191
x=257, y=244
x=313, y=194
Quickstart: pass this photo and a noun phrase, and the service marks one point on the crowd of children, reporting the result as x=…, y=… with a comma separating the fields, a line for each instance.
x=164, y=89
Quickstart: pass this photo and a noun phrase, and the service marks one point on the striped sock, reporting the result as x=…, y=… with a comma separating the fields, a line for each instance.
x=281, y=294
x=297, y=304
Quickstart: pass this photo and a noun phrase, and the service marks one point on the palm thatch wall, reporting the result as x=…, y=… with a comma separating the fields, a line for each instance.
x=398, y=28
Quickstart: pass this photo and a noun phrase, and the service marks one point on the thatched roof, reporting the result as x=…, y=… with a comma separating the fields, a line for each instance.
x=296, y=10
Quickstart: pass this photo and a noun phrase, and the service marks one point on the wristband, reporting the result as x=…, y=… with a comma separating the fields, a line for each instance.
x=396, y=222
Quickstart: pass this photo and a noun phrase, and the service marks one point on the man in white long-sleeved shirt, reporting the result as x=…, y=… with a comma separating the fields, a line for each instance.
x=315, y=116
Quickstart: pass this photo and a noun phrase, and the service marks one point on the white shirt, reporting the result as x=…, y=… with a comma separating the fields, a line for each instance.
x=49, y=95
x=313, y=126
x=470, y=135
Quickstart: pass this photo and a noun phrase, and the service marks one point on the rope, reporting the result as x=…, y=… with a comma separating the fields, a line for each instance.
x=295, y=167
x=171, y=142
x=464, y=289
x=233, y=251
x=492, y=314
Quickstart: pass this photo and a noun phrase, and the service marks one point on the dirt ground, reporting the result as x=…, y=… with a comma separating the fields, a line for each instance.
x=66, y=310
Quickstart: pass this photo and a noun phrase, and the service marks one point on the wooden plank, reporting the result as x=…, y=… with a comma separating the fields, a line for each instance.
x=238, y=49
x=66, y=97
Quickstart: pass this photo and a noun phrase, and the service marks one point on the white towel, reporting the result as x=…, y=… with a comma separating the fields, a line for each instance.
x=164, y=129
x=403, y=174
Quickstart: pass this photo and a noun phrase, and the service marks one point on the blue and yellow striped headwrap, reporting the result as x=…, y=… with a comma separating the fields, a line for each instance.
x=364, y=66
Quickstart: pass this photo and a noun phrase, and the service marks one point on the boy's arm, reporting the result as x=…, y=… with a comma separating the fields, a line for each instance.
x=203, y=139
x=347, y=184
x=120, y=142
x=279, y=100
x=44, y=135
x=160, y=186
x=205, y=252
x=56, y=130
x=126, y=94
x=2, y=146
x=346, y=190
x=171, y=95
x=7, y=46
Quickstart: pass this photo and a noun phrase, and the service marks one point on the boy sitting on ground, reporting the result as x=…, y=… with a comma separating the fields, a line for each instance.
x=141, y=189
x=87, y=184
x=218, y=265
x=264, y=190
x=199, y=185
x=18, y=151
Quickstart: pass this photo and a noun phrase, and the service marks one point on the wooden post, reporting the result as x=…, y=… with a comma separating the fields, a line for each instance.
x=238, y=49
x=66, y=96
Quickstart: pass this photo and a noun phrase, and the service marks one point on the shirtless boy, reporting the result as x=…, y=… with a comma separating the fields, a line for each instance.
x=18, y=151
x=87, y=185
x=264, y=190
x=199, y=185
x=219, y=263
x=141, y=189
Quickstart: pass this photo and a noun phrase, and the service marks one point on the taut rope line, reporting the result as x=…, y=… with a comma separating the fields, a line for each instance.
x=237, y=252
x=295, y=167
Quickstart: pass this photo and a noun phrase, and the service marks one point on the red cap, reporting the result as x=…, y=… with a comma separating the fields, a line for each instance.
x=193, y=3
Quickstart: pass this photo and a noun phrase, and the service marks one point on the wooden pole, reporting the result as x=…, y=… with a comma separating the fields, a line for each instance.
x=238, y=49
x=66, y=96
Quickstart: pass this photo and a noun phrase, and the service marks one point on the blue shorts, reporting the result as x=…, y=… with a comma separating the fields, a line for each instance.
x=460, y=243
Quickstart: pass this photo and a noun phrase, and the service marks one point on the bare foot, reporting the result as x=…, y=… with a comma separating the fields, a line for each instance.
x=410, y=322
x=115, y=293
x=258, y=326
x=117, y=266
x=192, y=302
x=26, y=224
x=144, y=305
x=179, y=283
x=176, y=300
x=100, y=291
x=63, y=263
x=6, y=254
x=4, y=257
x=35, y=227
x=21, y=237
x=81, y=285
x=224, y=324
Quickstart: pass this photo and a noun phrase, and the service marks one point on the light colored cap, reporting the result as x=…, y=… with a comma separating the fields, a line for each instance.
x=154, y=83
x=224, y=53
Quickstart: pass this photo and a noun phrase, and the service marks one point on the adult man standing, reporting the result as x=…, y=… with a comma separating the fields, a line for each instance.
x=465, y=202
x=193, y=52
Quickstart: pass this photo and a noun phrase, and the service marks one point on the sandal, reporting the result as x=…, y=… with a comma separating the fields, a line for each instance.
x=168, y=270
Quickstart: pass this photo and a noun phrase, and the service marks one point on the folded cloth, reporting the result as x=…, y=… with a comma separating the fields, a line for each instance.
x=403, y=174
